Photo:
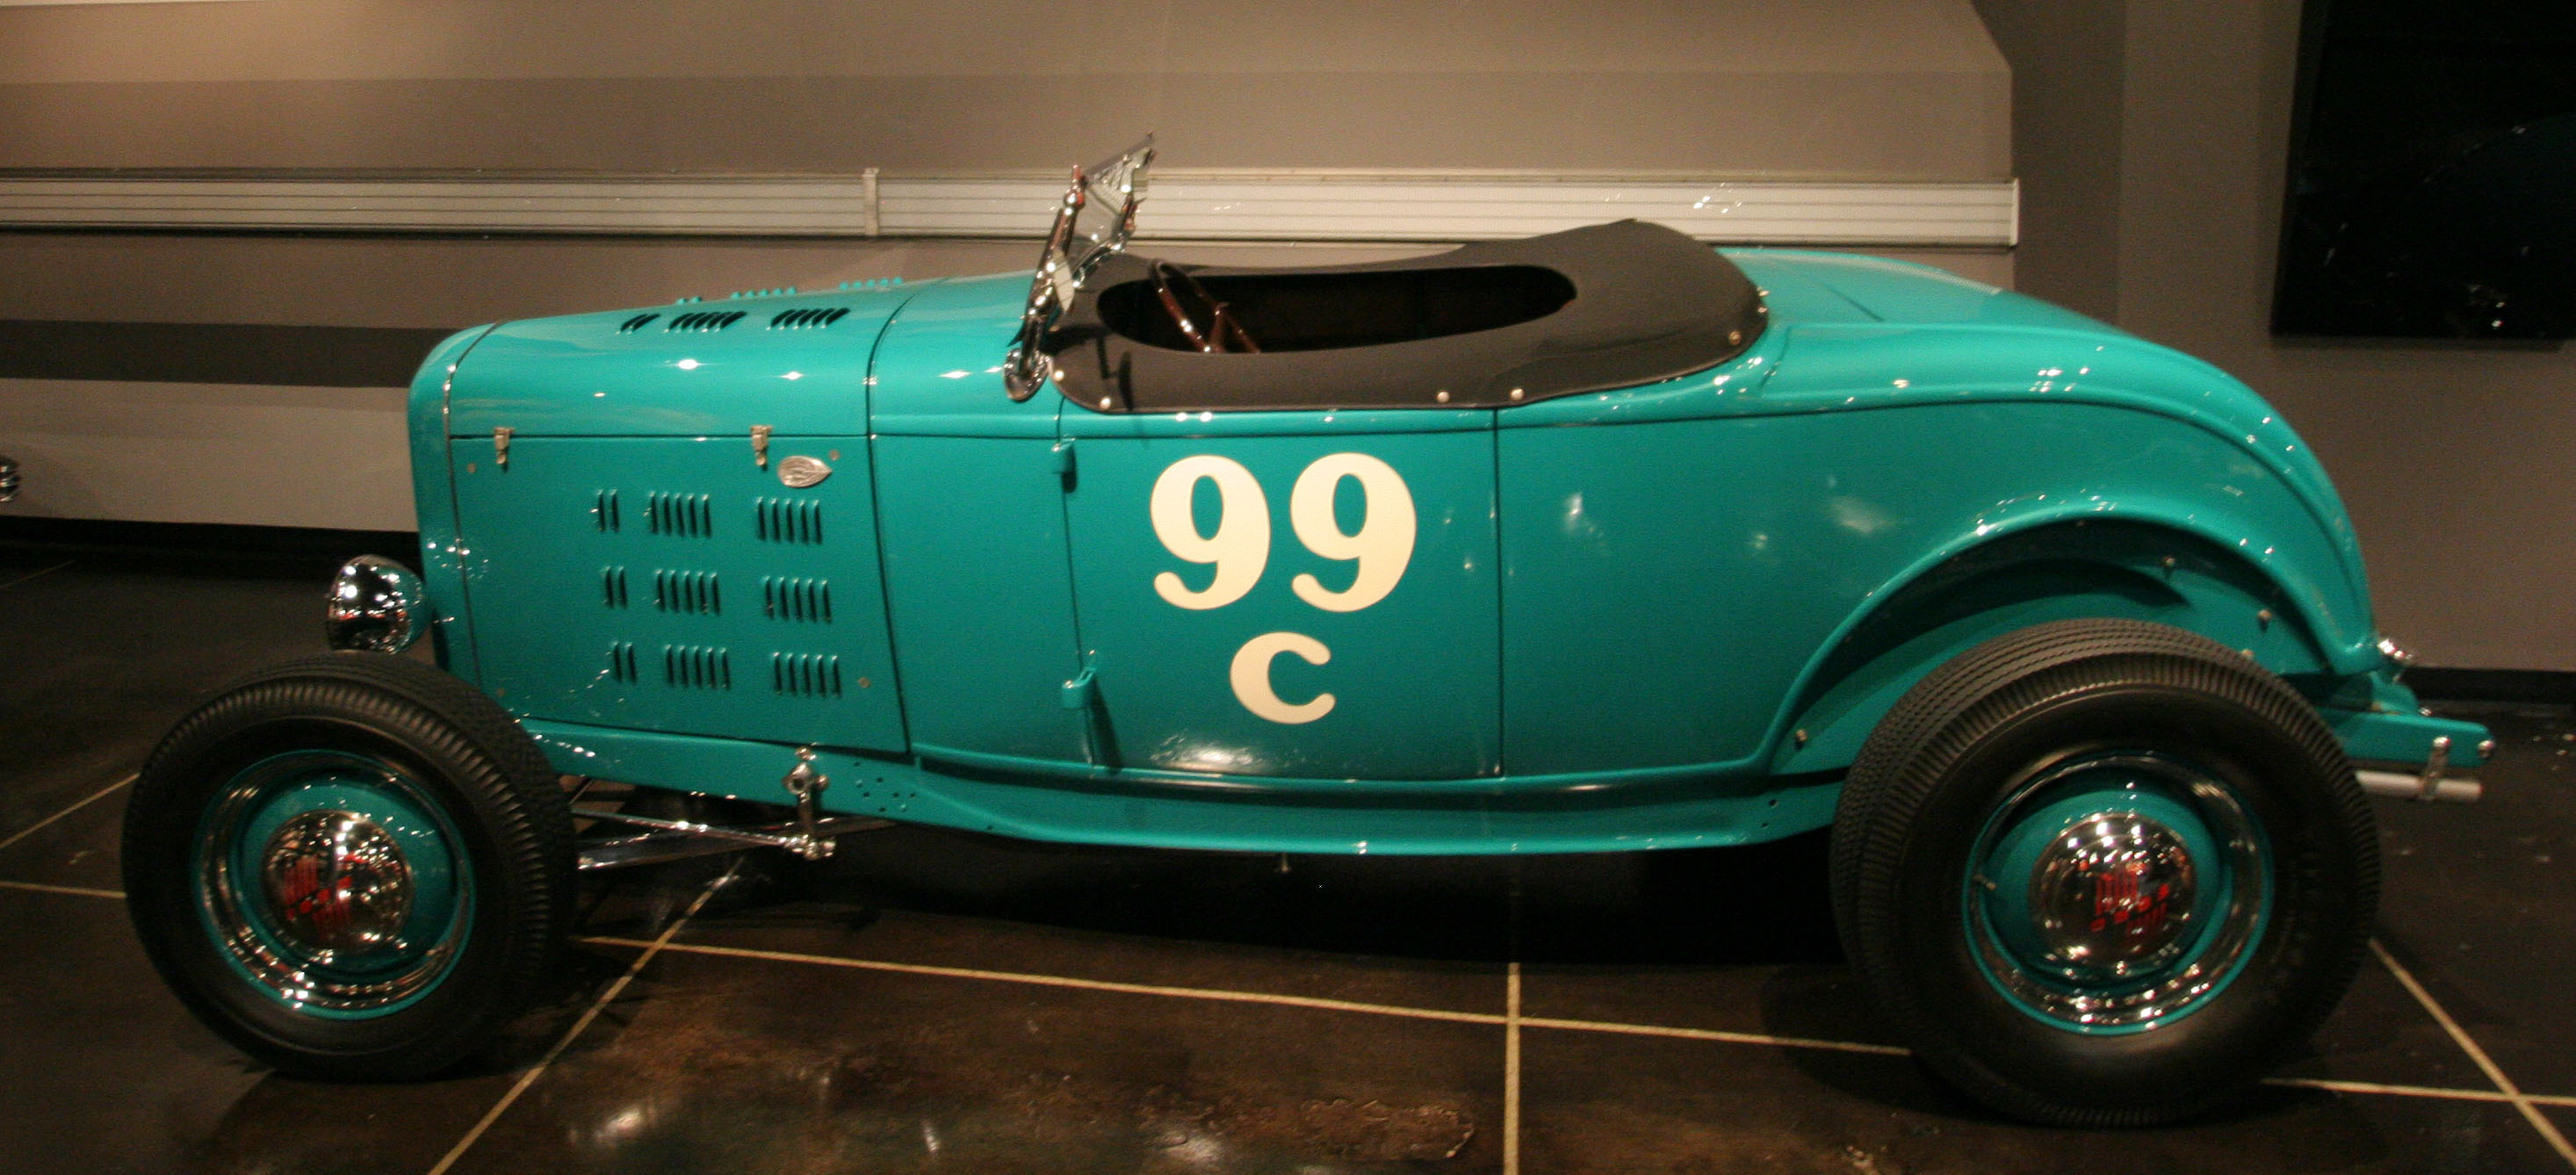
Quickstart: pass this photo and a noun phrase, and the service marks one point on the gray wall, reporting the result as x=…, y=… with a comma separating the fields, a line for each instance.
x=1877, y=88
x=222, y=414
x=2152, y=142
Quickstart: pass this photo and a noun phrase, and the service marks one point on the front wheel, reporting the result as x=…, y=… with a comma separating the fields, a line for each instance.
x=2104, y=872
x=353, y=866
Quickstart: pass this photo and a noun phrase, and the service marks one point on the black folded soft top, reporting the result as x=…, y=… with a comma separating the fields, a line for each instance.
x=1484, y=325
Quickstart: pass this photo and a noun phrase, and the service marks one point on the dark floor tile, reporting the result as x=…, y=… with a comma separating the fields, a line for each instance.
x=2380, y=1034
x=96, y=666
x=292, y=1127
x=1416, y=932
x=104, y=1070
x=1593, y=1102
x=720, y=1064
x=19, y=566
x=107, y=1072
x=1736, y=940
x=79, y=848
x=2480, y=901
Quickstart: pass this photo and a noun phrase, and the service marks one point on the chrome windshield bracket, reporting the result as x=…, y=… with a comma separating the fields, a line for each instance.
x=1075, y=245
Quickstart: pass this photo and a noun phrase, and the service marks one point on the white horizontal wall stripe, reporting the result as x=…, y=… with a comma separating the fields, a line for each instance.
x=192, y=452
x=1299, y=207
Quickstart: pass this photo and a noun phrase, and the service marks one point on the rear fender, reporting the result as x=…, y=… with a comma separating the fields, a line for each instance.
x=2061, y=571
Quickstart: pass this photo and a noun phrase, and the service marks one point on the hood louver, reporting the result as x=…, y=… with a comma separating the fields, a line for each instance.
x=632, y=325
x=808, y=318
x=705, y=320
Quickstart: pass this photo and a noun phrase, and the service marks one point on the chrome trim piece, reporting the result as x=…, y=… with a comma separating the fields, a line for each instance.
x=807, y=784
x=375, y=604
x=2436, y=765
x=8, y=478
x=2401, y=785
x=802, y=472
x=672, y=840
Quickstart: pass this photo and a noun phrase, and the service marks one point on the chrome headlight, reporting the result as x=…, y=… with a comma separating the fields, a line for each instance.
x=375, y=604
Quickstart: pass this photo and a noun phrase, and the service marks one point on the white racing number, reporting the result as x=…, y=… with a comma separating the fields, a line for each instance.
x=1240, y=548
x=1384, y=544
x=1381, y=548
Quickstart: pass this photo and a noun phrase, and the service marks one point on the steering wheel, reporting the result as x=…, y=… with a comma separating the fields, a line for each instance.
x=1179, y=293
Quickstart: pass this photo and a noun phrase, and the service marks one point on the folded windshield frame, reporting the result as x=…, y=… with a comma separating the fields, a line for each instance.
x=1092, y=223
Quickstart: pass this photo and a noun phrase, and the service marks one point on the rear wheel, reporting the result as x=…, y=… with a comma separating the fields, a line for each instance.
x=353, y=866
x=2104, y=872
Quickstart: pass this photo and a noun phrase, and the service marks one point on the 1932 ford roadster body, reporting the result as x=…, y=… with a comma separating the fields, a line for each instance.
x=1598, y=541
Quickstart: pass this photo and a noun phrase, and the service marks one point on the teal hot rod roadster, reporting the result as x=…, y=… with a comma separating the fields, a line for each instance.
x=1598, y=541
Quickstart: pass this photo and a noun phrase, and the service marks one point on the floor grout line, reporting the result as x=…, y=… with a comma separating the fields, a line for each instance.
x=2425, y=1091
x=652, y=948
x=2495, y=1073
x=93, y=798
x=1719, y=1035
x=1512, y=1071
x=78, y=891
x=33, y=574
x=1023, y=977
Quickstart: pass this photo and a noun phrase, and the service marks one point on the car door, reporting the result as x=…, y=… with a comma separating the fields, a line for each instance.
x=1303, y=594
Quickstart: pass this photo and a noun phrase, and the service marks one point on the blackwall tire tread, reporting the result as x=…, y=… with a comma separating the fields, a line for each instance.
x=510, y=797
x=1906, y=760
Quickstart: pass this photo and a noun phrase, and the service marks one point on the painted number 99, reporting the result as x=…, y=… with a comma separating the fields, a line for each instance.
x=1240, y=549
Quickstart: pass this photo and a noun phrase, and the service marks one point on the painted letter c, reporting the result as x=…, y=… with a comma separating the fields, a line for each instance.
x=1252, y=677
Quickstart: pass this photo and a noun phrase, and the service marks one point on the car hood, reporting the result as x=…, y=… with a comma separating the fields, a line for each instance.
x=794, y=363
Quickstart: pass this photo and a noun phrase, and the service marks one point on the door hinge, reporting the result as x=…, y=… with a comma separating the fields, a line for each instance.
x=1063, y=456
x=760, y=445
x=501, y=447
x=1083, y=691
x=1082, y=696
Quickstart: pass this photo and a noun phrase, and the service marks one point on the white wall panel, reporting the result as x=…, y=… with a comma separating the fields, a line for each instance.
x=191, y=452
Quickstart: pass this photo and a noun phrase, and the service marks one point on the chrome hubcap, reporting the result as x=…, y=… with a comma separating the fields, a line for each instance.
x=332, y=882
x=2112, y=896
x=2115, y=892
x=337, y=881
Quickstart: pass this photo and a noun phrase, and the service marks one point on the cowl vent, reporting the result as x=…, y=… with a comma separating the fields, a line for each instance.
x=705, y=320
x=808, y=318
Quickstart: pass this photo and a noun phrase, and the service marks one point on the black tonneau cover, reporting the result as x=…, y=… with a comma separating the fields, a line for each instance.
x=1648, y=304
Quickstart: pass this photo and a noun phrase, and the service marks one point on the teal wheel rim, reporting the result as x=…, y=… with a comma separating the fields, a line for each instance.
x=333, y=883
x=2117, y=892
